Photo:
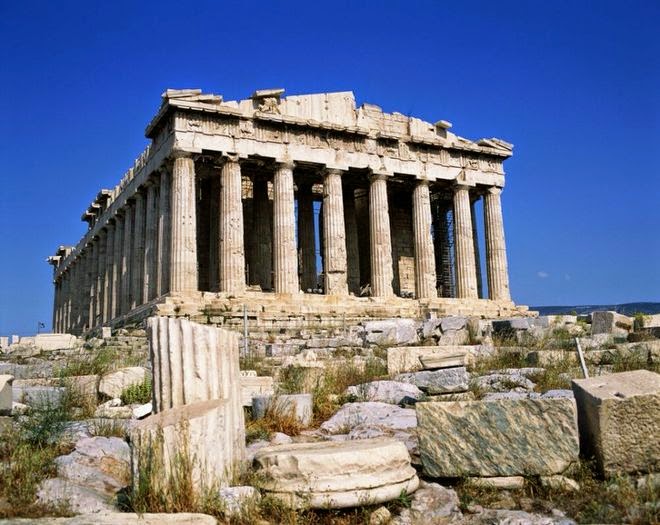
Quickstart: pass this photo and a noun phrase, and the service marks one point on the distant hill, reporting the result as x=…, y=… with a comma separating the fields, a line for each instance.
x=626, y=309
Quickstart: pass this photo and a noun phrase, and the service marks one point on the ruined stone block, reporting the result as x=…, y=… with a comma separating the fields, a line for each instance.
x=619, y=418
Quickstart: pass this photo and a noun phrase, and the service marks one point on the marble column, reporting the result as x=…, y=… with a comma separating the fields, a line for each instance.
x=100, y=278
x=126, y=256
x=334, y=234
x=352, y=242
x=84, y=288
x=306, y=238
x=466, y=277
x=150, y=245
x=109, y=269
x=164, y=244
x=284, y=238
x=496, y=261
x=382, y=273
x=183, y=254
x=137, y=261
x=231, y=249
x=214, y=233
x=92, y=272
x=263, y=231
x=63, y=299
x=115, y=281
x=56, y=306
x=424, y=253
x=475, y=240
x=443, y=260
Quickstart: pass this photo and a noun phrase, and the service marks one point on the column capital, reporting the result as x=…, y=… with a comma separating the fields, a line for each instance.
x=494, y=190
x=379, y=175
x=181, y=154
x=423, y=182
x=333, y=171
x=227, y=156
x=285, y=163
x=459, y=186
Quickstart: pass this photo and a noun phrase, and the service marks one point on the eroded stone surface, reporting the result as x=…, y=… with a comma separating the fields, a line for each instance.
x=394, y=392
x=619, y=417
x=351, y=415
x=497, y=438
x=6, y=395
x=336, y=475
x=114, y=383
x=444, y=381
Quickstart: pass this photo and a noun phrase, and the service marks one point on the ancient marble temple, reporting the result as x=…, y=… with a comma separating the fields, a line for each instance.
x=291, y=209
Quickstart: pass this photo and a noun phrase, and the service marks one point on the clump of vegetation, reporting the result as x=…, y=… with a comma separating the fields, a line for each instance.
x=99, y=362
x=138, y=393
x=107, y=428
x=27, y=453
x=279, y=417
x=614, y=500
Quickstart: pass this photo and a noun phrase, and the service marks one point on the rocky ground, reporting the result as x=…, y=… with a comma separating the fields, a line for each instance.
x=64, y=452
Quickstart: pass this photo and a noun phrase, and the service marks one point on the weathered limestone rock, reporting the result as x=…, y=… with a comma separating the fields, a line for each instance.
x=444, y=381
x=54, y=341
x=120, y=518
x=236, y=499
x=114, y=383
x=43, y=396
x=98, y=463
x=381, y=516
x=6, y=397
x=505, y=381
x=394, y=392
x=611, y=323
x=502, y=482
x=336, y=475
x=391, y=332
x=431, y=504
x=370, y=413
x=299, y=405
x=619, y=417
x=81, y=500
x=559, y=482
x=87, y=386
x=497, y=438
x=415, y=358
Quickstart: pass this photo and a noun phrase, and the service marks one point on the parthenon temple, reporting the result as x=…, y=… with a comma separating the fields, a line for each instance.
x=292, y=209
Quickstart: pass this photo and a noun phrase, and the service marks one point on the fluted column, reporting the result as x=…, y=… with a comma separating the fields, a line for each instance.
x=56, y=306
x=164, y=233
x=284, y=239
x=352, y=242
x=424, y=253
x=183, y=255
x=84, y=288
x=231, y=256
x=475, y=240
x=115, y=280
x=334, y=234
x=63, y=301
x=109, y=269
x=496, y=260
x=92, y=271
x=126, y=256
x=100, y=278
x=466, y=277
x=262, y=268
x=137, y=261
x=381, y=241
x=150, y=245
x=306, y=238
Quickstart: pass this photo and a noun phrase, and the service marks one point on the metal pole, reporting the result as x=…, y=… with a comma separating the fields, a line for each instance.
x=585, y=372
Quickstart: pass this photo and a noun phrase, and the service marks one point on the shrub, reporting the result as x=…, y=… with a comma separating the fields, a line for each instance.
x=138, y=393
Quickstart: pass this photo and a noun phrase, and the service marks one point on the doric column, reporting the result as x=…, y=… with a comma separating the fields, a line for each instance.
x=164, y=233
x=381, y=242
x=424, y=252
x=63, y=300
x=100, y=278
x=475, y=240
x=76, y=297
x=84, y=288
x=284, y=238
x=115, y=281
x=352, y=242
x=262, y=270
x=92, y=271
x=126, y=256
x=150, y=245
x=231, y=249
x=109, y=269
x=306, y=238
x=496, y=261
x=56, y=306
x=334, y=234
x=183, y=253
x=137, y=261
x=466, y=277
x=442, y=245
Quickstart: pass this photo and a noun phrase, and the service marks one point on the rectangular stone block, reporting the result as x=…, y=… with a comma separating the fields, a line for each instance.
x=611, y=323
x=54, y=341
x=619, y=418
x=416, y=358
x=252, y=386
x=6, y=396
x=497, y=438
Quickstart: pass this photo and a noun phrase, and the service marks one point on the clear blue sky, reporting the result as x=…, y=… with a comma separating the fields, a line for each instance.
x=574, y=85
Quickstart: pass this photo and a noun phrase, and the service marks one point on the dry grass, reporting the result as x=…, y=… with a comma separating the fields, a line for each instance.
x=617, y=500
x=278, y=418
